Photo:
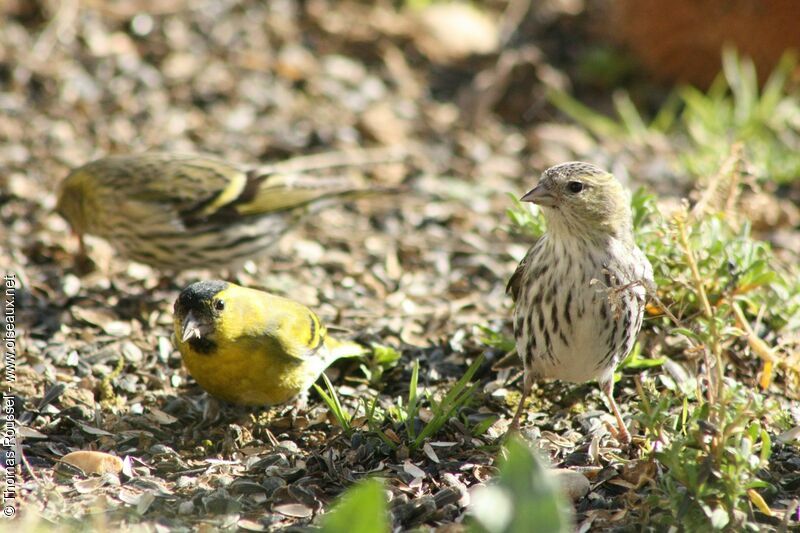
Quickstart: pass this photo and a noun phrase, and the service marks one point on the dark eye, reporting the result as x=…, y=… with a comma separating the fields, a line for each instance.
x=219, y=305
x=575, y=186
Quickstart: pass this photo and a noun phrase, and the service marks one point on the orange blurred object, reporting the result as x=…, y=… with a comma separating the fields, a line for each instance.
x=682, y=40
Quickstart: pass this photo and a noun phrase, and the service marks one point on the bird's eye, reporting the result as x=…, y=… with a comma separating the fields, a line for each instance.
x=219, y=305
x=575, y=186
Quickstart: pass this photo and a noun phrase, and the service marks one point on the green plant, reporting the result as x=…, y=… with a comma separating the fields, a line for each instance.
x=734, y=110
x=495, y=339
x=361, y=509
x=700, y=127
x=442, y=410
x=637, y=361
x=708, y=268
x=383, y=358
x=331, y=399
x=523, y=497
x=711, y=452
x=708, y=434
x=526, y=219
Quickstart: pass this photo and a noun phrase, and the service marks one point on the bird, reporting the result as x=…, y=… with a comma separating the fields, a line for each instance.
x=579, y=293
x=177, y=212
x=249, y=347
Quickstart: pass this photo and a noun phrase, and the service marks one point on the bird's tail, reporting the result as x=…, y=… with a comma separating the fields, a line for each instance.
x=339, y=349
x=312, y=179
x=335, y=160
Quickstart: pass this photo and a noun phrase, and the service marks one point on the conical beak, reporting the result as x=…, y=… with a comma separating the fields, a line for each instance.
x=540, y=195
x=191, y=328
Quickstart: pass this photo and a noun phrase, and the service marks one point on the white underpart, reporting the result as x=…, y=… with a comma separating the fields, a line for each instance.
x=585, y=354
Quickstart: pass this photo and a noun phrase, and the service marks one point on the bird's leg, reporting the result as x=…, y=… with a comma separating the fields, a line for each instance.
x=623, y=435
x=301, y=401
x=83, y=263
x=212, y=411
x=526, y=391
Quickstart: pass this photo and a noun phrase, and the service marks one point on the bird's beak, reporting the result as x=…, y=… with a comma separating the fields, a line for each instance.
x=540, y=195
x=192, y=328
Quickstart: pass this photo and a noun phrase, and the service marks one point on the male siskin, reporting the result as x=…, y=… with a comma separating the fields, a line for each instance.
x=250, y=347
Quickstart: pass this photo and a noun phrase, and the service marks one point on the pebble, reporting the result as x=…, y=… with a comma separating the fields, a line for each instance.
x=93, y=462
x=573, y=484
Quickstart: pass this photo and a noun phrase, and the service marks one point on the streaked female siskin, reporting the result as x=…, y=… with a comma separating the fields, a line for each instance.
x=182, y=211
x=579, y=292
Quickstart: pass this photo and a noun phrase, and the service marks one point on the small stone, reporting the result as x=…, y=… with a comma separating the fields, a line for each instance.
x=93, y=462
x=71, y=285
x=164, y=349
x=450, y=32
x=295, y=62
x=131, y=352
x=382, y=123
x=573, y=484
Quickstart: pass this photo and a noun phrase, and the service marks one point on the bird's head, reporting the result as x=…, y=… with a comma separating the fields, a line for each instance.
x=75, y=200
x=582, y=199
x=197, y=314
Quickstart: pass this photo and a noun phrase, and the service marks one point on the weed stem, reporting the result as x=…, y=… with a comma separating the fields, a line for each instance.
x=716, y=348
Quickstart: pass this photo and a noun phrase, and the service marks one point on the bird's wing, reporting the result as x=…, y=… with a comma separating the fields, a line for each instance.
x=302, y=335
x=515, y=282
x=203, y=189
x=182, y=180
x=303, y=180
x=207, y=190
x=295, y=329
x=265, y=193
x=186, y=188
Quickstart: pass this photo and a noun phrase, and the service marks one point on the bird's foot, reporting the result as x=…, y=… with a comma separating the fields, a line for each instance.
x=619, y=432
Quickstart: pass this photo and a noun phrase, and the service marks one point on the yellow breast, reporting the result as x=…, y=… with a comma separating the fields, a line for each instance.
x=241, y=375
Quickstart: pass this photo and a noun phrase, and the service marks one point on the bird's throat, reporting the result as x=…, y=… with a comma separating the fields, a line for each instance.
x=203, y=345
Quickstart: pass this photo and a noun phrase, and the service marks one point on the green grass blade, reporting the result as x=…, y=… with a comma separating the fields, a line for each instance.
x=598, y=124
x=459, y=395
x=333, y=403
x=412, y=408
